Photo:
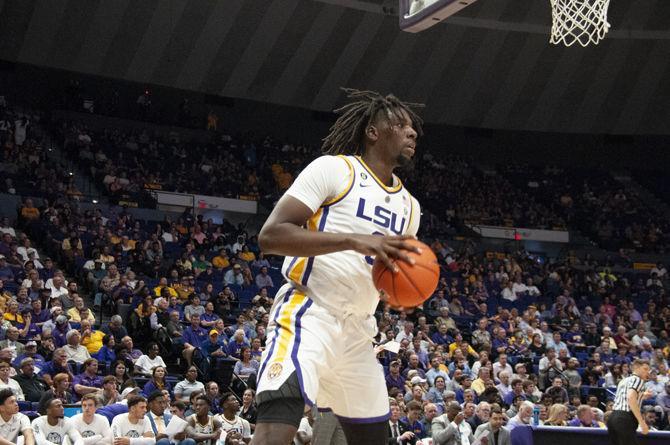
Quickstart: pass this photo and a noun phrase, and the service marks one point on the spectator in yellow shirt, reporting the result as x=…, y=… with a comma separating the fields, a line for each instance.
x=90, y=338
x=221, y=260
x=163, y=284
x=80, y=312
x=246, y=254
x=29, y=212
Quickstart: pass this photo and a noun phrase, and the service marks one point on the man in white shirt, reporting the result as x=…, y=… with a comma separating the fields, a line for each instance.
x=73, y=349
x=501, y=365
x=147, y=362
x=231, y=421
x=52, y=428
x=133, y=428
x=12, y=422
x=93, y=427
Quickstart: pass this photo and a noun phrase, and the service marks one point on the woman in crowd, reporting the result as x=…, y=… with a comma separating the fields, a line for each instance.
x=246, y=366
x=120, y=373
x=157, y=382
x=248, y=408
x=558, y=414
x=59, y=390
x=183, y=389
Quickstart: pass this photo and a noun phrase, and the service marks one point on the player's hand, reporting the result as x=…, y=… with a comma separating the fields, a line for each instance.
x=644, y=428
x=407, y=435
x=385, y=248
x=121, y=441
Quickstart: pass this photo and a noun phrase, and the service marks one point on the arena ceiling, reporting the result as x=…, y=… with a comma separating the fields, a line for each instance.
x=489, y=66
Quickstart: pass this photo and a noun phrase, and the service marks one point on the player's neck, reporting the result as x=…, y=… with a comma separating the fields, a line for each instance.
x=202, y=418
x=229, y=416
x=382, y=168
x=88, y=418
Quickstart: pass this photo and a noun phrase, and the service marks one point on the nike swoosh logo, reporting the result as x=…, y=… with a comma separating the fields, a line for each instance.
x=365, y=185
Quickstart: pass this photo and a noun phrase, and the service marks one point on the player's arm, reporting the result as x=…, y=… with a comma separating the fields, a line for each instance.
x=284, y=234
x=635, y=409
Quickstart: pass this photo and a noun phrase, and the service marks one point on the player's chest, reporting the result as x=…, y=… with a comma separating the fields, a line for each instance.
x=374, y=211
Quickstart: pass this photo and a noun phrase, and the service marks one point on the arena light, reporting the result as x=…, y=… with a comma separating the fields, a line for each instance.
x=417, y=15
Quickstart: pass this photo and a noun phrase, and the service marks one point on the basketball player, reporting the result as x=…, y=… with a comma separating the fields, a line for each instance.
x=342, y=211
x=52, y=428
x=94, y=428
x=202, y=427
x=622, y=423
x=13, y=423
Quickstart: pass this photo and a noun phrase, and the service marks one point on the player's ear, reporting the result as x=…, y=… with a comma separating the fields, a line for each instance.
x=372, y=133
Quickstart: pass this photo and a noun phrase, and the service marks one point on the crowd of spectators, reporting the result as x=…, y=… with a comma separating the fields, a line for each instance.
x=22, y=141
x=503, y=336
x=593, y=202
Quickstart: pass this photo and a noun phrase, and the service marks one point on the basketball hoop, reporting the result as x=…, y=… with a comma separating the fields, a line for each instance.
x=579, y=21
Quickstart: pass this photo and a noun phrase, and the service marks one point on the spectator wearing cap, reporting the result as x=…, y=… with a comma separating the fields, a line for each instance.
x=7, y=382
x=58, y=326
x=394, y=379
x=88, y=381
x=234, y=276
x=32, y=386
x=215, y=345
x=73, y=349
x=48, y=271
x=30, y=351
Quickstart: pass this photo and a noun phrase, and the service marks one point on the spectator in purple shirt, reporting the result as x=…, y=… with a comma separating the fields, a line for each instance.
x=39, y=316
x=127, y=352
x=88, y=381
x=442, y=337
x=194, y=336
x=237, y=343
x=263, y=279
x=584, y=418
x=393, y=378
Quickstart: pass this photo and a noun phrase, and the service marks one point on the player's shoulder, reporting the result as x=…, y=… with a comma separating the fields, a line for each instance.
x=332, y=161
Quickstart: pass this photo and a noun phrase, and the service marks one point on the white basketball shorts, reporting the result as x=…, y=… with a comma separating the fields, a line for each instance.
x=333, y=358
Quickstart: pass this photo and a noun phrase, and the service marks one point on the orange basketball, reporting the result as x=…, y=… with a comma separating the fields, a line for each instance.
x=414, y=283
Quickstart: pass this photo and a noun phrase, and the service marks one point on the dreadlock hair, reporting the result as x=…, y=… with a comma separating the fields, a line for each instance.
x=347, y=135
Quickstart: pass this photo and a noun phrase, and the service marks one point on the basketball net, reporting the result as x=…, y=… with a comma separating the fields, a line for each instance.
x=579, y=21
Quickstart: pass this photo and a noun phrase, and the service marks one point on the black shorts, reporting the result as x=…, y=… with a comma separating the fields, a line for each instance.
x=283, y=405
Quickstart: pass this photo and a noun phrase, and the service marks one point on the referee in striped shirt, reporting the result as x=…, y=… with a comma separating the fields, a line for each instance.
x=623, y=422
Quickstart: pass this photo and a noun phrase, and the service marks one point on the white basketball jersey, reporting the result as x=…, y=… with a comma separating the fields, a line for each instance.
x=347, y=197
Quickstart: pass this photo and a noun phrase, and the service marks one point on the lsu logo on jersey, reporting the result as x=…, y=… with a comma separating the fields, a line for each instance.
x=381, y=216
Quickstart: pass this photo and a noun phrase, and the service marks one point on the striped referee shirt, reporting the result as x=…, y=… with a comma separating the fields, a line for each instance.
x=621, y=399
